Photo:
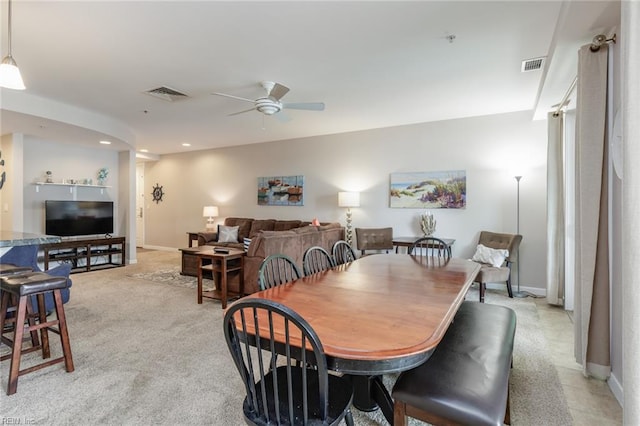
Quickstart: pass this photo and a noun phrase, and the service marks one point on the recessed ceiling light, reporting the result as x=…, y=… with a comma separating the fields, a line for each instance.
x=144, y=150
x=105, y=142
x=186, y=144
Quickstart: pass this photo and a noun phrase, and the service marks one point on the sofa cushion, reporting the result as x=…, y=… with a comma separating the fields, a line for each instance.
x=285, y=225
x=261, y=225
x=330, y=225
x=305, y=230
x=243, y=224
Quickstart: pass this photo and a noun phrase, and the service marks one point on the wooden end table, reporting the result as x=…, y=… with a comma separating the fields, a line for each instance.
x=223, y=264
x=193, y=237
x=408, y=241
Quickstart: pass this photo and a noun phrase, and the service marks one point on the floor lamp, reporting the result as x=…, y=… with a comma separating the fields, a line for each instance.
x=518, y=293
x=348, y=200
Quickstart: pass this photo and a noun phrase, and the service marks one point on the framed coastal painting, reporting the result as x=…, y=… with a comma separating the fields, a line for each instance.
x=429, y=190
x=281, y=191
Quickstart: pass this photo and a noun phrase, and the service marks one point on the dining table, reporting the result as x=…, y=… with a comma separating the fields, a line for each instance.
x=382, y=313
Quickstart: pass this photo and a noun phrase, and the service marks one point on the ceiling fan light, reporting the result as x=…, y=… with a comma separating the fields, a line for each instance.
x=10, y=77
x=268, y=109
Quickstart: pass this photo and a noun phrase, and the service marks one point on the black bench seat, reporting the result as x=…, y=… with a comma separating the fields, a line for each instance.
x=466, y=380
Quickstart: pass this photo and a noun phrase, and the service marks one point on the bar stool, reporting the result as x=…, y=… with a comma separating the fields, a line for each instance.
x=23, y=286
x=11, y=269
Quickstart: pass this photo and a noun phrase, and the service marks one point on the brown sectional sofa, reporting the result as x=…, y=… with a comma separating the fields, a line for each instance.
x=248, y=228
x=269, y=236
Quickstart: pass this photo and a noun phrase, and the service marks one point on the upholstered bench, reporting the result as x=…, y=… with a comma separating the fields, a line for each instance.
x=466, y=380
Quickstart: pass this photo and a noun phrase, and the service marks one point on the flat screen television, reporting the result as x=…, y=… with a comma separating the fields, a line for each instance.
x=73, y=218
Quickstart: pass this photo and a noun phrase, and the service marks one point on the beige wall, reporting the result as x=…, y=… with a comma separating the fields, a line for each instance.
x=492, y=149
x=10, y=195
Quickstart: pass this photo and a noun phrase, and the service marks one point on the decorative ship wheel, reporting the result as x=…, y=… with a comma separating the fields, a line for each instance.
x=157, y=193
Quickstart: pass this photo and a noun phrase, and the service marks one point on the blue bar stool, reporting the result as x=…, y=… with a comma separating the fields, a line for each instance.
x=11, y=269
x=21, y=287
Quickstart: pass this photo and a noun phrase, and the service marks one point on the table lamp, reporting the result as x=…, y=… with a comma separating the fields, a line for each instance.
x=348, y=200
x=210, y=212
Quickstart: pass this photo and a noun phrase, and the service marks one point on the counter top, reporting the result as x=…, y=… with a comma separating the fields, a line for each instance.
x=13, y=238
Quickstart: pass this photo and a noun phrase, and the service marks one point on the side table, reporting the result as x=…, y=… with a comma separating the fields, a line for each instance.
x=408, y=241
x=222, y=264
x=193, y=236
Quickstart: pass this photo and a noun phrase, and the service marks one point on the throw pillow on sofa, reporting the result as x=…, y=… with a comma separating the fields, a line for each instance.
x=227, y=234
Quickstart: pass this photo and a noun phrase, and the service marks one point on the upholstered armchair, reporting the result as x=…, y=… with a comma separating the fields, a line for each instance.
x=374, y=239
x=28, y=256
x=496, y=253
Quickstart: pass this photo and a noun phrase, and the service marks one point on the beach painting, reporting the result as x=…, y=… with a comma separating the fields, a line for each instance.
x=429, y=190
x=281, y=191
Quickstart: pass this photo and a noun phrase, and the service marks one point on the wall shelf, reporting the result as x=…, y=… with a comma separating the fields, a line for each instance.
x=70, y=184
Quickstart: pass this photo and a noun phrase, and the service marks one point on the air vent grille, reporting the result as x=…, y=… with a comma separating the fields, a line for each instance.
x=532, y=64
x=166, y=93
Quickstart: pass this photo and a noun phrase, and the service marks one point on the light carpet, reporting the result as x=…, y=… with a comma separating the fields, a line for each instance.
x=146, y=354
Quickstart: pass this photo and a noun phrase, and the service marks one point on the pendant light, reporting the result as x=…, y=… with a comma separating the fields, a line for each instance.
x=9, y=73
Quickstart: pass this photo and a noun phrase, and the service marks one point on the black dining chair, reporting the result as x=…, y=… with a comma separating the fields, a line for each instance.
x=316, y=259
x=283, y=393
x=342, y=252
x=277, y=269
x=430, y=246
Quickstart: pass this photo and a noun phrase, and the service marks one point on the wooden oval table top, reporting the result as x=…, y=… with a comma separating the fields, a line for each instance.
x=380, y=313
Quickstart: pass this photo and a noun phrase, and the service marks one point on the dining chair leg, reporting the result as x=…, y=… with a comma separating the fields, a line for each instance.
x=509, y=287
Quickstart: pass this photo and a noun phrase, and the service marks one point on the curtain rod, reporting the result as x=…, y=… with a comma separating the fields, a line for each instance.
x=565, y=99
x=598, y=41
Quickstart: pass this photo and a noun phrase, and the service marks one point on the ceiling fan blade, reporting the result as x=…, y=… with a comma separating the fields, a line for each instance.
x=233, y=97
x=278, y=91
x=282, y=117
x=242, y=112
x=310, y=106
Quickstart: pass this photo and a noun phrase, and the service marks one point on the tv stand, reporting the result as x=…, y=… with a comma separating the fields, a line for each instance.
x=86, y=254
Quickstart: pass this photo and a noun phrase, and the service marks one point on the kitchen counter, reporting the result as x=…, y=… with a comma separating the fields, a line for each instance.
x=13, y=238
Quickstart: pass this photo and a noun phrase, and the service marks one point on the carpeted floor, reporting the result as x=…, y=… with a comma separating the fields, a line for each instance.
x=145, y=353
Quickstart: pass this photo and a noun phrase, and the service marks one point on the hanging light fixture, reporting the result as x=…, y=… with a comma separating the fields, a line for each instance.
x=9, y=73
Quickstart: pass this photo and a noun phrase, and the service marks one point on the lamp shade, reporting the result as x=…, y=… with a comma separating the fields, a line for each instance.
x=348, y=199
x=210, y=211
x=10, y=74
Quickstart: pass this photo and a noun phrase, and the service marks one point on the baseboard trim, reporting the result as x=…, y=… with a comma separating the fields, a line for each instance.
x=162, y=248
x=616, y=388
x=536, y=291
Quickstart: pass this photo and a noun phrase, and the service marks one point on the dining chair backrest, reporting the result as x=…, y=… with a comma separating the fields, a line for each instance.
x=316, y=259
x=277, y=269
x=283, y=390
x=430, y=246
x=342, y=252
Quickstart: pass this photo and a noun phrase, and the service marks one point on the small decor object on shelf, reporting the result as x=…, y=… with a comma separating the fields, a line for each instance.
x=428, y=223
x=49, y=178
x=102, y=175
x=157, y=193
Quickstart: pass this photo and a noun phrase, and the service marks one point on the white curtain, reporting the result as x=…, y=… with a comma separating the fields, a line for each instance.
x=555, y=209
x=630, y=44
x=592, y=336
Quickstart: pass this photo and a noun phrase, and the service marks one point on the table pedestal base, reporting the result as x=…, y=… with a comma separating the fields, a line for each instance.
x=369, y=394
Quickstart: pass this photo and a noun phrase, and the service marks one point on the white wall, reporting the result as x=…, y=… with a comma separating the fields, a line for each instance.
x=492, y=150
x=65, y=161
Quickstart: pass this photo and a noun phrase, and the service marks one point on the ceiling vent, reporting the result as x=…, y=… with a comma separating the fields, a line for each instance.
x=532, y=64
x=166, y=93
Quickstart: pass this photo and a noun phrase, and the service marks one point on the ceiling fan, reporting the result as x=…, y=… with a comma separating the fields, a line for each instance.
x=271, y=104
